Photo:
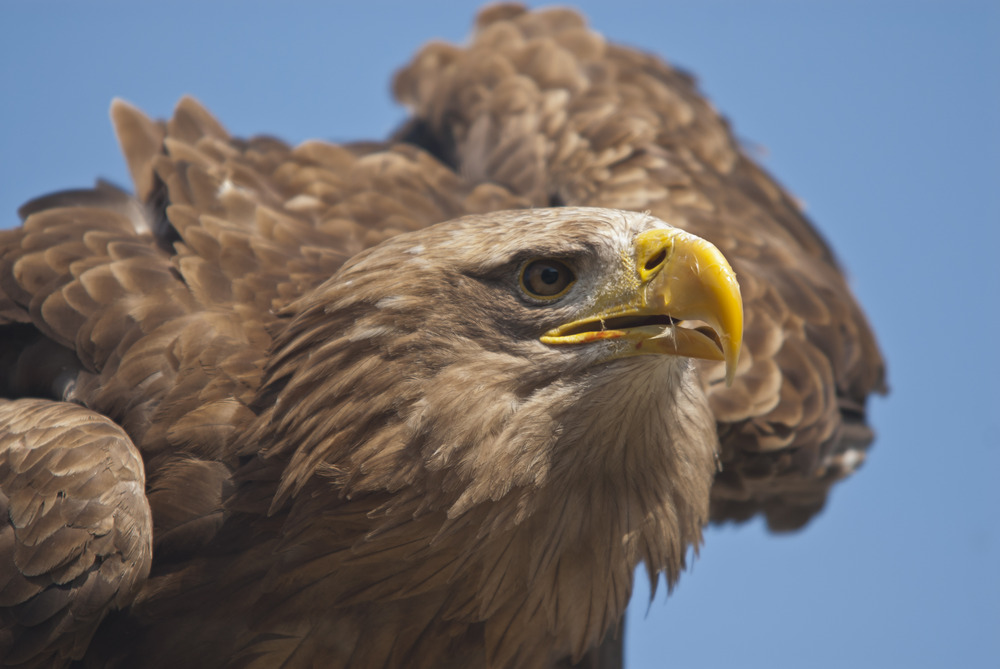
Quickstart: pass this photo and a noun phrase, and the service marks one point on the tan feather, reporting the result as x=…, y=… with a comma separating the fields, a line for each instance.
x=355, y=450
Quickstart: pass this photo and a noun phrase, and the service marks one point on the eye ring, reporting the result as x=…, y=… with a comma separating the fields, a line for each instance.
x=546, y=278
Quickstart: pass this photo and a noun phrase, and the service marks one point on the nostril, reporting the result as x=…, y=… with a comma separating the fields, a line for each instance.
x=656, y=260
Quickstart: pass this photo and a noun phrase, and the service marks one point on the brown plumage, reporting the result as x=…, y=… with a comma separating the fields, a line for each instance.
x=253, y=424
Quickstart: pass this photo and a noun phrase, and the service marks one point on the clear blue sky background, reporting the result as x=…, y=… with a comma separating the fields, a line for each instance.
x=884, y=117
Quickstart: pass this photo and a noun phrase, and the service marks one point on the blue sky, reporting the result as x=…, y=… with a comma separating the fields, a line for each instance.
x=883, y=117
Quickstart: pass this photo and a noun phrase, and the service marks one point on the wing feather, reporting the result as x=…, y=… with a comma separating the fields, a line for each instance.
x=76, y=539
x=160, y=310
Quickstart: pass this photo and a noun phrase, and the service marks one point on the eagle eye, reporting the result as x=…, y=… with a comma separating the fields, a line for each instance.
x=546, y=278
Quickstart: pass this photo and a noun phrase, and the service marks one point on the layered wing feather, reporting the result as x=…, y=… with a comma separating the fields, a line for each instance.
x=75, y=534
x=160, y=311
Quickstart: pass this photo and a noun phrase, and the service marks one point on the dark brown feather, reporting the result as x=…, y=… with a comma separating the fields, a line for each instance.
x=352, y=454
x=76, y=538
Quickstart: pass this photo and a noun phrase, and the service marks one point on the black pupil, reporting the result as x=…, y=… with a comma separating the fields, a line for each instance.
x=547, y=277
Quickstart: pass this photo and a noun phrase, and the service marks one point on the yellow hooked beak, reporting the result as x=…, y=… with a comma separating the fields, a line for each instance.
x=684, y=300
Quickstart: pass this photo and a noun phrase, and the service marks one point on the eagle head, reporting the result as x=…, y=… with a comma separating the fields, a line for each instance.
x=504, y=403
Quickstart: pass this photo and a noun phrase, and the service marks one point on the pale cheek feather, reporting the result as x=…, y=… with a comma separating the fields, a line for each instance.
x=391, y=301
x=362, y=332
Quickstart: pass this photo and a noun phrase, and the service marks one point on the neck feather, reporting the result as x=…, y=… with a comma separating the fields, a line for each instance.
x=516, y=499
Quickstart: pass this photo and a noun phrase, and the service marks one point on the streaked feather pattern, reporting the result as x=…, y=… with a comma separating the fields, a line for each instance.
x=287, y=410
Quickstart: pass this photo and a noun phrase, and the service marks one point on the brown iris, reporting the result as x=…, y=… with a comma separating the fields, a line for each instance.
x=546, y=278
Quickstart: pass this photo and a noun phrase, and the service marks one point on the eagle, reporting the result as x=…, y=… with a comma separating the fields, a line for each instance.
x=420, y=402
